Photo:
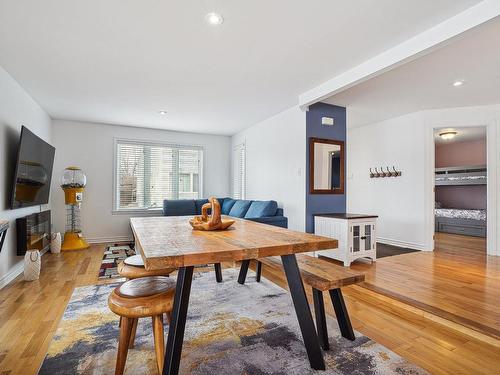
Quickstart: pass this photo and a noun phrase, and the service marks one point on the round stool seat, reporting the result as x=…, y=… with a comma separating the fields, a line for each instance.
x=145, y=287
x=134, y=260
x=143, y=297
x=133, y=272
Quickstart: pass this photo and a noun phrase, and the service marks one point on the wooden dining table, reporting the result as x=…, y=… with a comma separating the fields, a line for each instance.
x=166, y=242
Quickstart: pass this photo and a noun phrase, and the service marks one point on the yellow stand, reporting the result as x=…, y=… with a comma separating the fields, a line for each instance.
x=73, y=241
x=73, y=182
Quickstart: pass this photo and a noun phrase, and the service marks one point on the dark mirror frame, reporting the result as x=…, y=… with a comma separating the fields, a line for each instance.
x=312, y=190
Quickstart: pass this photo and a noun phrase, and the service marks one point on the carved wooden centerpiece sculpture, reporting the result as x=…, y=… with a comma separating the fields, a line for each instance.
x=212, y=221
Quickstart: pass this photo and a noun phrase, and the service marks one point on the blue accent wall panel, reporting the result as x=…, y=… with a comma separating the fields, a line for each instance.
x=324, y=203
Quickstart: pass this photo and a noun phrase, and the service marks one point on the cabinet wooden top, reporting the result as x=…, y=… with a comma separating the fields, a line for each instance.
x=347, y=216
x=171, y=242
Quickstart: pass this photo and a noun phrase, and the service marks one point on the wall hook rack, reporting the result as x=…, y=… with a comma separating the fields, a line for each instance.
x=387, y=173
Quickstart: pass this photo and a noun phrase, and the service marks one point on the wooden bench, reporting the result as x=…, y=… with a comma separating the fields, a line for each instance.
x=321, y=275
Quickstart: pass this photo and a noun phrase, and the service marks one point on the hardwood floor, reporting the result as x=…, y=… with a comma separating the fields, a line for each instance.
x=457, y=281
x=30, y=311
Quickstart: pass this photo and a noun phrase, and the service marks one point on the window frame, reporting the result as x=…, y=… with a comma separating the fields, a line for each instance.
x=116, y=210
x=237, y=148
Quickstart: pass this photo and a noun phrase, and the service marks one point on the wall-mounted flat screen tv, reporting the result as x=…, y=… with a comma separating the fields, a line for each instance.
x=35, y=159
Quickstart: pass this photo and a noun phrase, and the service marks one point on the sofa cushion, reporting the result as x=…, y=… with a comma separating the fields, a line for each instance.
x=277, y=221
x=261, y=209
x=179, y=207
x=240, y=208
x=199, y=204
x=227, y=205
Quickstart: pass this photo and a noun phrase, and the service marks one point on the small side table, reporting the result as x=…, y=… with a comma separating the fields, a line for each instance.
x=356, y=234
x=4, y=225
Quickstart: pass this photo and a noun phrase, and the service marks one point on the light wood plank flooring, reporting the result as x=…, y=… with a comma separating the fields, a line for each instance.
x=30, y=313
x=457, y=281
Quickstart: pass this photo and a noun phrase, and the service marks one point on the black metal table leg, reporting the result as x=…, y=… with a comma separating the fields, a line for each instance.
x=342, y=315
x=218, y=272
x=178, y=321
x=259, y=270
x=303, y=312
x=243, y=271
x=319, y=312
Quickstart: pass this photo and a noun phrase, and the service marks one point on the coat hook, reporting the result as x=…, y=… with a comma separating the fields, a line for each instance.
x=396, y=173
x=383, y=173
x=377, y=174
x=371, y=173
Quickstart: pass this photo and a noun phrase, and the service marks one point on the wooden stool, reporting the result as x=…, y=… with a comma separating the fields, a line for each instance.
x=150, y=296
x=133, y=268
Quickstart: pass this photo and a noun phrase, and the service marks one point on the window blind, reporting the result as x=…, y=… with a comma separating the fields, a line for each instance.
x=148, y=173
x=239, y=172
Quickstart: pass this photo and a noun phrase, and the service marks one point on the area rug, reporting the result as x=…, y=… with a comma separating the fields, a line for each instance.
x=113, y=255
x=231, y=329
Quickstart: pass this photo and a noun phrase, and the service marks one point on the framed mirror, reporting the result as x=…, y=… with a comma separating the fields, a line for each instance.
x=326, y=166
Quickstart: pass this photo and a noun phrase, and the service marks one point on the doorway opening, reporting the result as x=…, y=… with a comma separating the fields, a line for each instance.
x=460, y=189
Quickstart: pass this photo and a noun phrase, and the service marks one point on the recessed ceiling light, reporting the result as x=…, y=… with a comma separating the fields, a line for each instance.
x=448, y=135
x=162, y=112
x=214, y=19
x=458, y=83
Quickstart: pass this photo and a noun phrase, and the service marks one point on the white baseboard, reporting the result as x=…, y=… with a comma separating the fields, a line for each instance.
x=110, y=239
x=399, y=243
x=14, y=272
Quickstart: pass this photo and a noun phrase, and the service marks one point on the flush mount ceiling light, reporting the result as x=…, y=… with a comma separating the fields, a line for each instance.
x=458, y=83
x=448, y=135
x=162, y=112
x=214, y=19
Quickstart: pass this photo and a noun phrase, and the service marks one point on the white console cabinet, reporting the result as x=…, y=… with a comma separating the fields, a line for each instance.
x=356, y=234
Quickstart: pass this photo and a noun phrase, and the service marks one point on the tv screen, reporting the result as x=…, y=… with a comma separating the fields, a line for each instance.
x=35, y=160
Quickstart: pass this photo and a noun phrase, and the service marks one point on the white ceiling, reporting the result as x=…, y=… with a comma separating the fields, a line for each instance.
x=473, y=133
x=121, y=61
x=426, y=83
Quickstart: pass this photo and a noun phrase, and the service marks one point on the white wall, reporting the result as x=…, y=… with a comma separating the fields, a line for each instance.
x=17, y=108
x=276, y=162
x=400, y=201
x=90, y=147
x=404, y=204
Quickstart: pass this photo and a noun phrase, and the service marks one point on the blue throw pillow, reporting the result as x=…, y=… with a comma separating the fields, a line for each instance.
x=227, y=204
x=261, y=209
x=179, y=207
x=240, y=208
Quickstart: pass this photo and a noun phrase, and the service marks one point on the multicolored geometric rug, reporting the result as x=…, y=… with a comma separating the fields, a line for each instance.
x=231, y=329
x=113, y=255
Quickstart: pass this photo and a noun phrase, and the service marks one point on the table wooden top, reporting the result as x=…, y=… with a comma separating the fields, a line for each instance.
x=171, y=242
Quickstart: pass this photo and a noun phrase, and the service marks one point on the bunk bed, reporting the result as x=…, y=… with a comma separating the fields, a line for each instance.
x=461, y=221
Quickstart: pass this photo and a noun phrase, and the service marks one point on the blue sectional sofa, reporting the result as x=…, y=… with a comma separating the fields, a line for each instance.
x=266, y=212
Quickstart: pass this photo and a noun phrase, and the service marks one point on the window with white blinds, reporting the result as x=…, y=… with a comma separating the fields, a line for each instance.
x=239, y=172
x=148, y=173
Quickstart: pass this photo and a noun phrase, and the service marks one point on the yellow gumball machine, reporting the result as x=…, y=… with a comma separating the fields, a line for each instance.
x=73, y=182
